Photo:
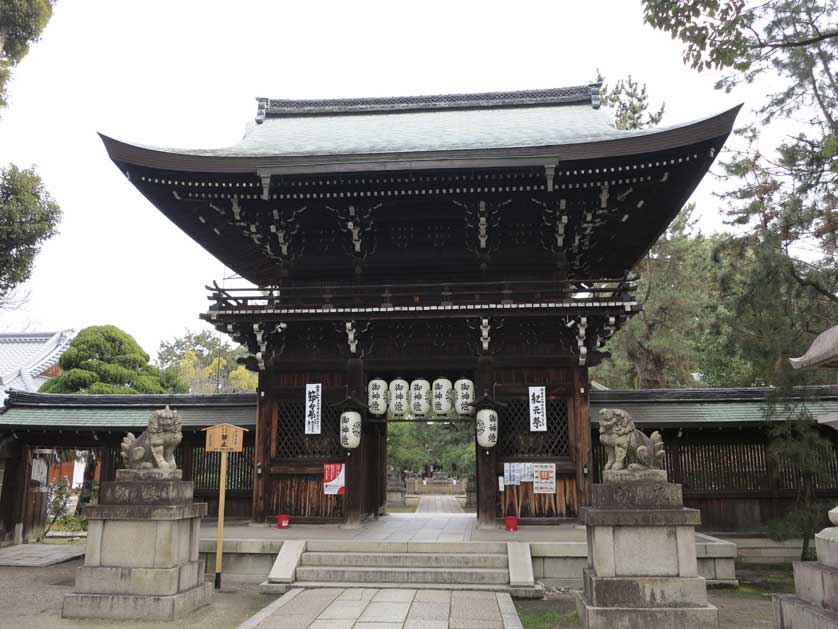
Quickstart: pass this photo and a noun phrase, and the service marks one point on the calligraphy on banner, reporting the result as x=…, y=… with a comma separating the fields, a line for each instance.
x=538, y=409
x=544, y=478
x=313, y=404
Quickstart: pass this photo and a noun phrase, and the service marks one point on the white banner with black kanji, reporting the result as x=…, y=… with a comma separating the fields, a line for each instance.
x=313, y=400
x=538, y=409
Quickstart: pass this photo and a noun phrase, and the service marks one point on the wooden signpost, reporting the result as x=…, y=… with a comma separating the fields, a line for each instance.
x=223, y=438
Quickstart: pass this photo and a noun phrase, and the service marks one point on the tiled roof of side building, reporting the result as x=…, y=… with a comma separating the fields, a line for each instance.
x=24, y=356
x=47, y=410
x=658, y=408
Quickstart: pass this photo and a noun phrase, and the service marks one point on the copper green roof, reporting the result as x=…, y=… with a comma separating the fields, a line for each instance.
x=102, y=412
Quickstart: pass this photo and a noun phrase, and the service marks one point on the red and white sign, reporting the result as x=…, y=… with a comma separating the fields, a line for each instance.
x=334, y=479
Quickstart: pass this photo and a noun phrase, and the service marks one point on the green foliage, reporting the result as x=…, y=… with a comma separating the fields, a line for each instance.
x=28, y=217
x=783, y=198
x=630, y=102
x=662, y=346
x=411, y=446
x=797, y=445
x=21, y=24
x=206, y=363
x=104, y=359
x=58, y=503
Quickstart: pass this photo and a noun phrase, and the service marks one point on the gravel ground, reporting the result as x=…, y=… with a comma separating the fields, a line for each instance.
x=32, y=598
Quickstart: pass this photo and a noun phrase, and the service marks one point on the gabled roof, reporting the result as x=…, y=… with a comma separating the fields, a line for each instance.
x=24, y=356
x=530, y=127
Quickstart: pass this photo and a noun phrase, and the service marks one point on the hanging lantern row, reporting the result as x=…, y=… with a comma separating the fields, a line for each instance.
x=420, y=399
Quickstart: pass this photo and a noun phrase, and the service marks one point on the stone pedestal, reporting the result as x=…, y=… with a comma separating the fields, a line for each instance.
x=642, y=570
x=142, y=550
x=815, y=601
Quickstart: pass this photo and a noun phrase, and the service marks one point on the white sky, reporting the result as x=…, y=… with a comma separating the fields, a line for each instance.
x=185, y=74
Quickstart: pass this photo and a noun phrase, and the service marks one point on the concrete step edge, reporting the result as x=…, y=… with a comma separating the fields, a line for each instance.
x=403, y=569
x=537, y=591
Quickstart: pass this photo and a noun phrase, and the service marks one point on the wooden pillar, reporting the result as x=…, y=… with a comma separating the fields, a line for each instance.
x=188, y=460
x=261, y=453
x=106, y=471
x=353, y=499
x=580, y=435
x=487, y=482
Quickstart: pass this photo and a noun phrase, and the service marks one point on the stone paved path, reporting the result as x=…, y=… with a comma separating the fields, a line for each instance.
x=35, y=555
x=438, y=504
x=366, y=608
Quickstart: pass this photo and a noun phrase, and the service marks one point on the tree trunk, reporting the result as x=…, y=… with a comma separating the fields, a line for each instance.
x=87, y=484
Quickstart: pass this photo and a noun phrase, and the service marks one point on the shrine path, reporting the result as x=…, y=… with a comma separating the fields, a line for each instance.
x=438, y=504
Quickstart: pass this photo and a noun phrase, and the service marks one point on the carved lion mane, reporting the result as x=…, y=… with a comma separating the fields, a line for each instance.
x=627, y=446
x=155, y=448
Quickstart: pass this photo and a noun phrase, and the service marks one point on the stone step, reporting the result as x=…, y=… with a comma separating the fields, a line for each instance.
x=536, y=592
x=402, y=575
x=405, y=560
x=816, y=583
x=793, y=612
x=353, y=546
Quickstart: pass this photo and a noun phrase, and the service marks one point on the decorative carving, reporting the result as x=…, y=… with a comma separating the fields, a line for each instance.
x=625, y=445
x=155, y=448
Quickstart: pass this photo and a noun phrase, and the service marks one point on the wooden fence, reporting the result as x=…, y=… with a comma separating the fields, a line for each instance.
x=737, y=486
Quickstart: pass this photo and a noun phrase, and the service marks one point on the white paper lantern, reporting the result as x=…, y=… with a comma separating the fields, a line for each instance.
x=443, y=397
x=399, y=399
x=377, y=395
x=487, y=428
x=350, y=429
x=463, y=397
x=420, y=398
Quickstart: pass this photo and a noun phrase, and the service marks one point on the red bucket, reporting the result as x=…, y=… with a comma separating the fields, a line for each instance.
x=511, y=522
x=283, y=521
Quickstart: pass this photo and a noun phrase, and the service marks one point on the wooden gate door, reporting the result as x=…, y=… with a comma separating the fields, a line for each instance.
x=37, y=463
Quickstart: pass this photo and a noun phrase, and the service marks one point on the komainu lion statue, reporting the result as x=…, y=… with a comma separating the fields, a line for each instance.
x=155, y=448
x=627, y=447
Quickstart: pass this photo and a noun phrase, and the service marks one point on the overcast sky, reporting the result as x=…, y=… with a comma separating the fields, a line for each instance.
x=184, y=74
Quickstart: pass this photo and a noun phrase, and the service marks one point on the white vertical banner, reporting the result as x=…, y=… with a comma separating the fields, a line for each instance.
x=313, y=403
x=538, y=409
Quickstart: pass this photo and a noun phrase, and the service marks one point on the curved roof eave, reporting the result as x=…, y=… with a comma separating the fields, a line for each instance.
x=717, y=126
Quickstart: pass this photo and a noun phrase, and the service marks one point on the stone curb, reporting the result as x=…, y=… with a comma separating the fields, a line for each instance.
x=264, y=613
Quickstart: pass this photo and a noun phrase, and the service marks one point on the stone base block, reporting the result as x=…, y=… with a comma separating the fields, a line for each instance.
x=792, y=612
x=150, y=492
x=594, y=516
x=139, y=581
x=826, y=545
x=133, y=607
x=637, y=495
x=154, y=473
x=645, y=592
x=591, y=617
x=633, y=476
x=816, y=583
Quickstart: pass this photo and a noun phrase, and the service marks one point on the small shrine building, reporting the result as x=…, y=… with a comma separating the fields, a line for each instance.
x=435, y=258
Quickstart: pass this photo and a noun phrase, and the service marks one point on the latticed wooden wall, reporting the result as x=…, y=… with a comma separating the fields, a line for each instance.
x=517, y=442
x=294, y=444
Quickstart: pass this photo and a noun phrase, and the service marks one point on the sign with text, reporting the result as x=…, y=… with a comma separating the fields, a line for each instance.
x=511, y=473
x=544, y=478
x=334, y=479
x=313, y=403
x=538, y=409
x=225, y=438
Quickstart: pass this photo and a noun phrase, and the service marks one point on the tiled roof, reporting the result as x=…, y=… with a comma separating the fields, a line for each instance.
x=270, y=107
x=499, y=121
x=823, y=353
x=26, y=355
x=124, y=411
x=660, y=408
